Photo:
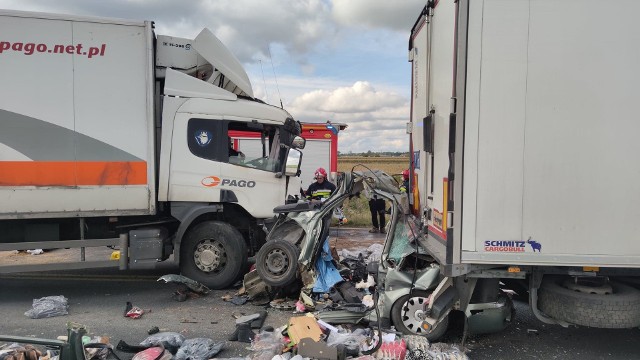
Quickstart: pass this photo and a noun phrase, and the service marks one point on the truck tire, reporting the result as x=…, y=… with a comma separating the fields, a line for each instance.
x=213, y=253
x=277, y=263
x=406, y=312
x=618, y=310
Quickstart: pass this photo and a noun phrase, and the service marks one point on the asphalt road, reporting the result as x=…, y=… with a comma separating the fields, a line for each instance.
x=97, y=299
x=98, y=302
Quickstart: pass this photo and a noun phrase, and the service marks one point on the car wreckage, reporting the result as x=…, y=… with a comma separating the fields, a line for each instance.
x=297, y=256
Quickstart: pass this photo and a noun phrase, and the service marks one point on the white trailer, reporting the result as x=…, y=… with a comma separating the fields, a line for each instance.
x=112, y=134
x=524, y=166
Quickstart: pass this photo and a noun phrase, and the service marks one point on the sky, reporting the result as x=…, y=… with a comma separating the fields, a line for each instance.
x=343, y=61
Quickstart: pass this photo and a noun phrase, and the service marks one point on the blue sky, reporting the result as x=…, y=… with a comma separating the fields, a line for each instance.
x=338, y=60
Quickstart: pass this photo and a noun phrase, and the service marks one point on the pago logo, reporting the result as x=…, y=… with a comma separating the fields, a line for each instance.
x=210, y=181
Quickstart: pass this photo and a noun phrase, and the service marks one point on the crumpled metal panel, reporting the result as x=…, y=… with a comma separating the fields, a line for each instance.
x=190, y=283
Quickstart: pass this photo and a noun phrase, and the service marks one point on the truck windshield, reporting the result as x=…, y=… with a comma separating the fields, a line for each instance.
x=255, y=146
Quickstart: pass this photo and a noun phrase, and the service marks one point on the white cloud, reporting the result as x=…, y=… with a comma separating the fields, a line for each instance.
x=326, y=67
x=394, y=15
x=252, y=26
x=357, y=140
x=376, y=119
x=361, y=97
x=248, y=27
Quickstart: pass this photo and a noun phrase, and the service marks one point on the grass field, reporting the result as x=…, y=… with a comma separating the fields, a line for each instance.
x=357, y=209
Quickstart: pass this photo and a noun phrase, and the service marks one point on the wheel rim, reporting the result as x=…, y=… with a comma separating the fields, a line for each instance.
x=210, y=256
x=277, y=262
x=413, y=314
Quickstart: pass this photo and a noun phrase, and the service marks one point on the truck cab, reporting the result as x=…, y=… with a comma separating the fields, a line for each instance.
x=131, y=148
x=208, y=182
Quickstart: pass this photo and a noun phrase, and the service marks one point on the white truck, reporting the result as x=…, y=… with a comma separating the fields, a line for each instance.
x=525, y=165
x=113, y=136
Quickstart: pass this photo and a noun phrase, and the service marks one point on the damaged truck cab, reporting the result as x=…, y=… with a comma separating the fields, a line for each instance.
x=135, y=143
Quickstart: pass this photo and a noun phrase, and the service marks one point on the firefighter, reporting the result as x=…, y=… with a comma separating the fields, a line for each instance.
x=322, y=188
x=405, y=181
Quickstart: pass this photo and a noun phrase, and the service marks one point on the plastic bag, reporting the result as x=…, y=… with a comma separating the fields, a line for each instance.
x=167, y=339
x=351, y=340
x=375, y=252
x=20, y=352
x=48, y=306
x=266, y=345
x=198, y=349
x=447, y=351
x=97, y=348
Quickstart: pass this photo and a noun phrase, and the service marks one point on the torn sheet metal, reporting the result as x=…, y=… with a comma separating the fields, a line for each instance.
x=189, y=283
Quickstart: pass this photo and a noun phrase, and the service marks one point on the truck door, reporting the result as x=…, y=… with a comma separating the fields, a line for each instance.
x=250, y=165
x=431, y=49
x=421, y=131
x=196, y=152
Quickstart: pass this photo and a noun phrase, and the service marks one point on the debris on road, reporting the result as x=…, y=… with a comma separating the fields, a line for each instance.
x=133, y=312
x=198, y=349
x=372, y=253
x=236, y=299
x=169, y=340
x=283, y=304
x=153, y=353
x=97, y=347
x=244, y=325
x=48, y=306
x=187, y=288
x=18, y=352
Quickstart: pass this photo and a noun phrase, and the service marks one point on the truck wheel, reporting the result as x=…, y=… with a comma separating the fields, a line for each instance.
x=277, y=263
x=407, y=313
x=213, y=253
x=618, y=309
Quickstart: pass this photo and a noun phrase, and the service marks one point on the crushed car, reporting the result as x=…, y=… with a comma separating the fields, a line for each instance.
x=297, y=256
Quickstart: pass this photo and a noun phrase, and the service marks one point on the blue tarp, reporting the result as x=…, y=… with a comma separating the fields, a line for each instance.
x=327, y=273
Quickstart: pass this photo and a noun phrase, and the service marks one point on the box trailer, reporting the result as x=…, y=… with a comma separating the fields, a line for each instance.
x=111, y=135
x=524, y=166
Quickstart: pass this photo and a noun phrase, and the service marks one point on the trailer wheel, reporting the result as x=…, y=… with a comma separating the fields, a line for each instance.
x=618, y=309
x=277, y=263
x=213, y=253
x=407, y=313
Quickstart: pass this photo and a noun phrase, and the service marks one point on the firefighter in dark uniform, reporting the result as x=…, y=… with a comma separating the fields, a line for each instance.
x=322, y=188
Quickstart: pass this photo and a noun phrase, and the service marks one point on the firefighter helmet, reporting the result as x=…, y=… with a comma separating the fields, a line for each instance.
x=320, y=172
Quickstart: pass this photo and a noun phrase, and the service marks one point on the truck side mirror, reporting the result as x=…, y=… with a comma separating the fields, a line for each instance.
x=294, y=158
x=298, y=142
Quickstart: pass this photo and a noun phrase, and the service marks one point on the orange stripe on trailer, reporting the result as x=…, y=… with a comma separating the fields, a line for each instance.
x=72, y=173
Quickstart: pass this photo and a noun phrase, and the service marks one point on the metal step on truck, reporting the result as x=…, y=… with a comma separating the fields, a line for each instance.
x=525, y=166
x=113, y=136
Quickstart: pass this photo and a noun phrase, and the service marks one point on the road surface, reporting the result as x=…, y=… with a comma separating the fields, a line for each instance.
x=97, y=299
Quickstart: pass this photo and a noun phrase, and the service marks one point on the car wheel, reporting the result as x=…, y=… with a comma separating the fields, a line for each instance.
x=277, y=263
x=407, y=314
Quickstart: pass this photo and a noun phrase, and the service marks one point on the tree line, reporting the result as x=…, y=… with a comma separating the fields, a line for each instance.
x=374, y=154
